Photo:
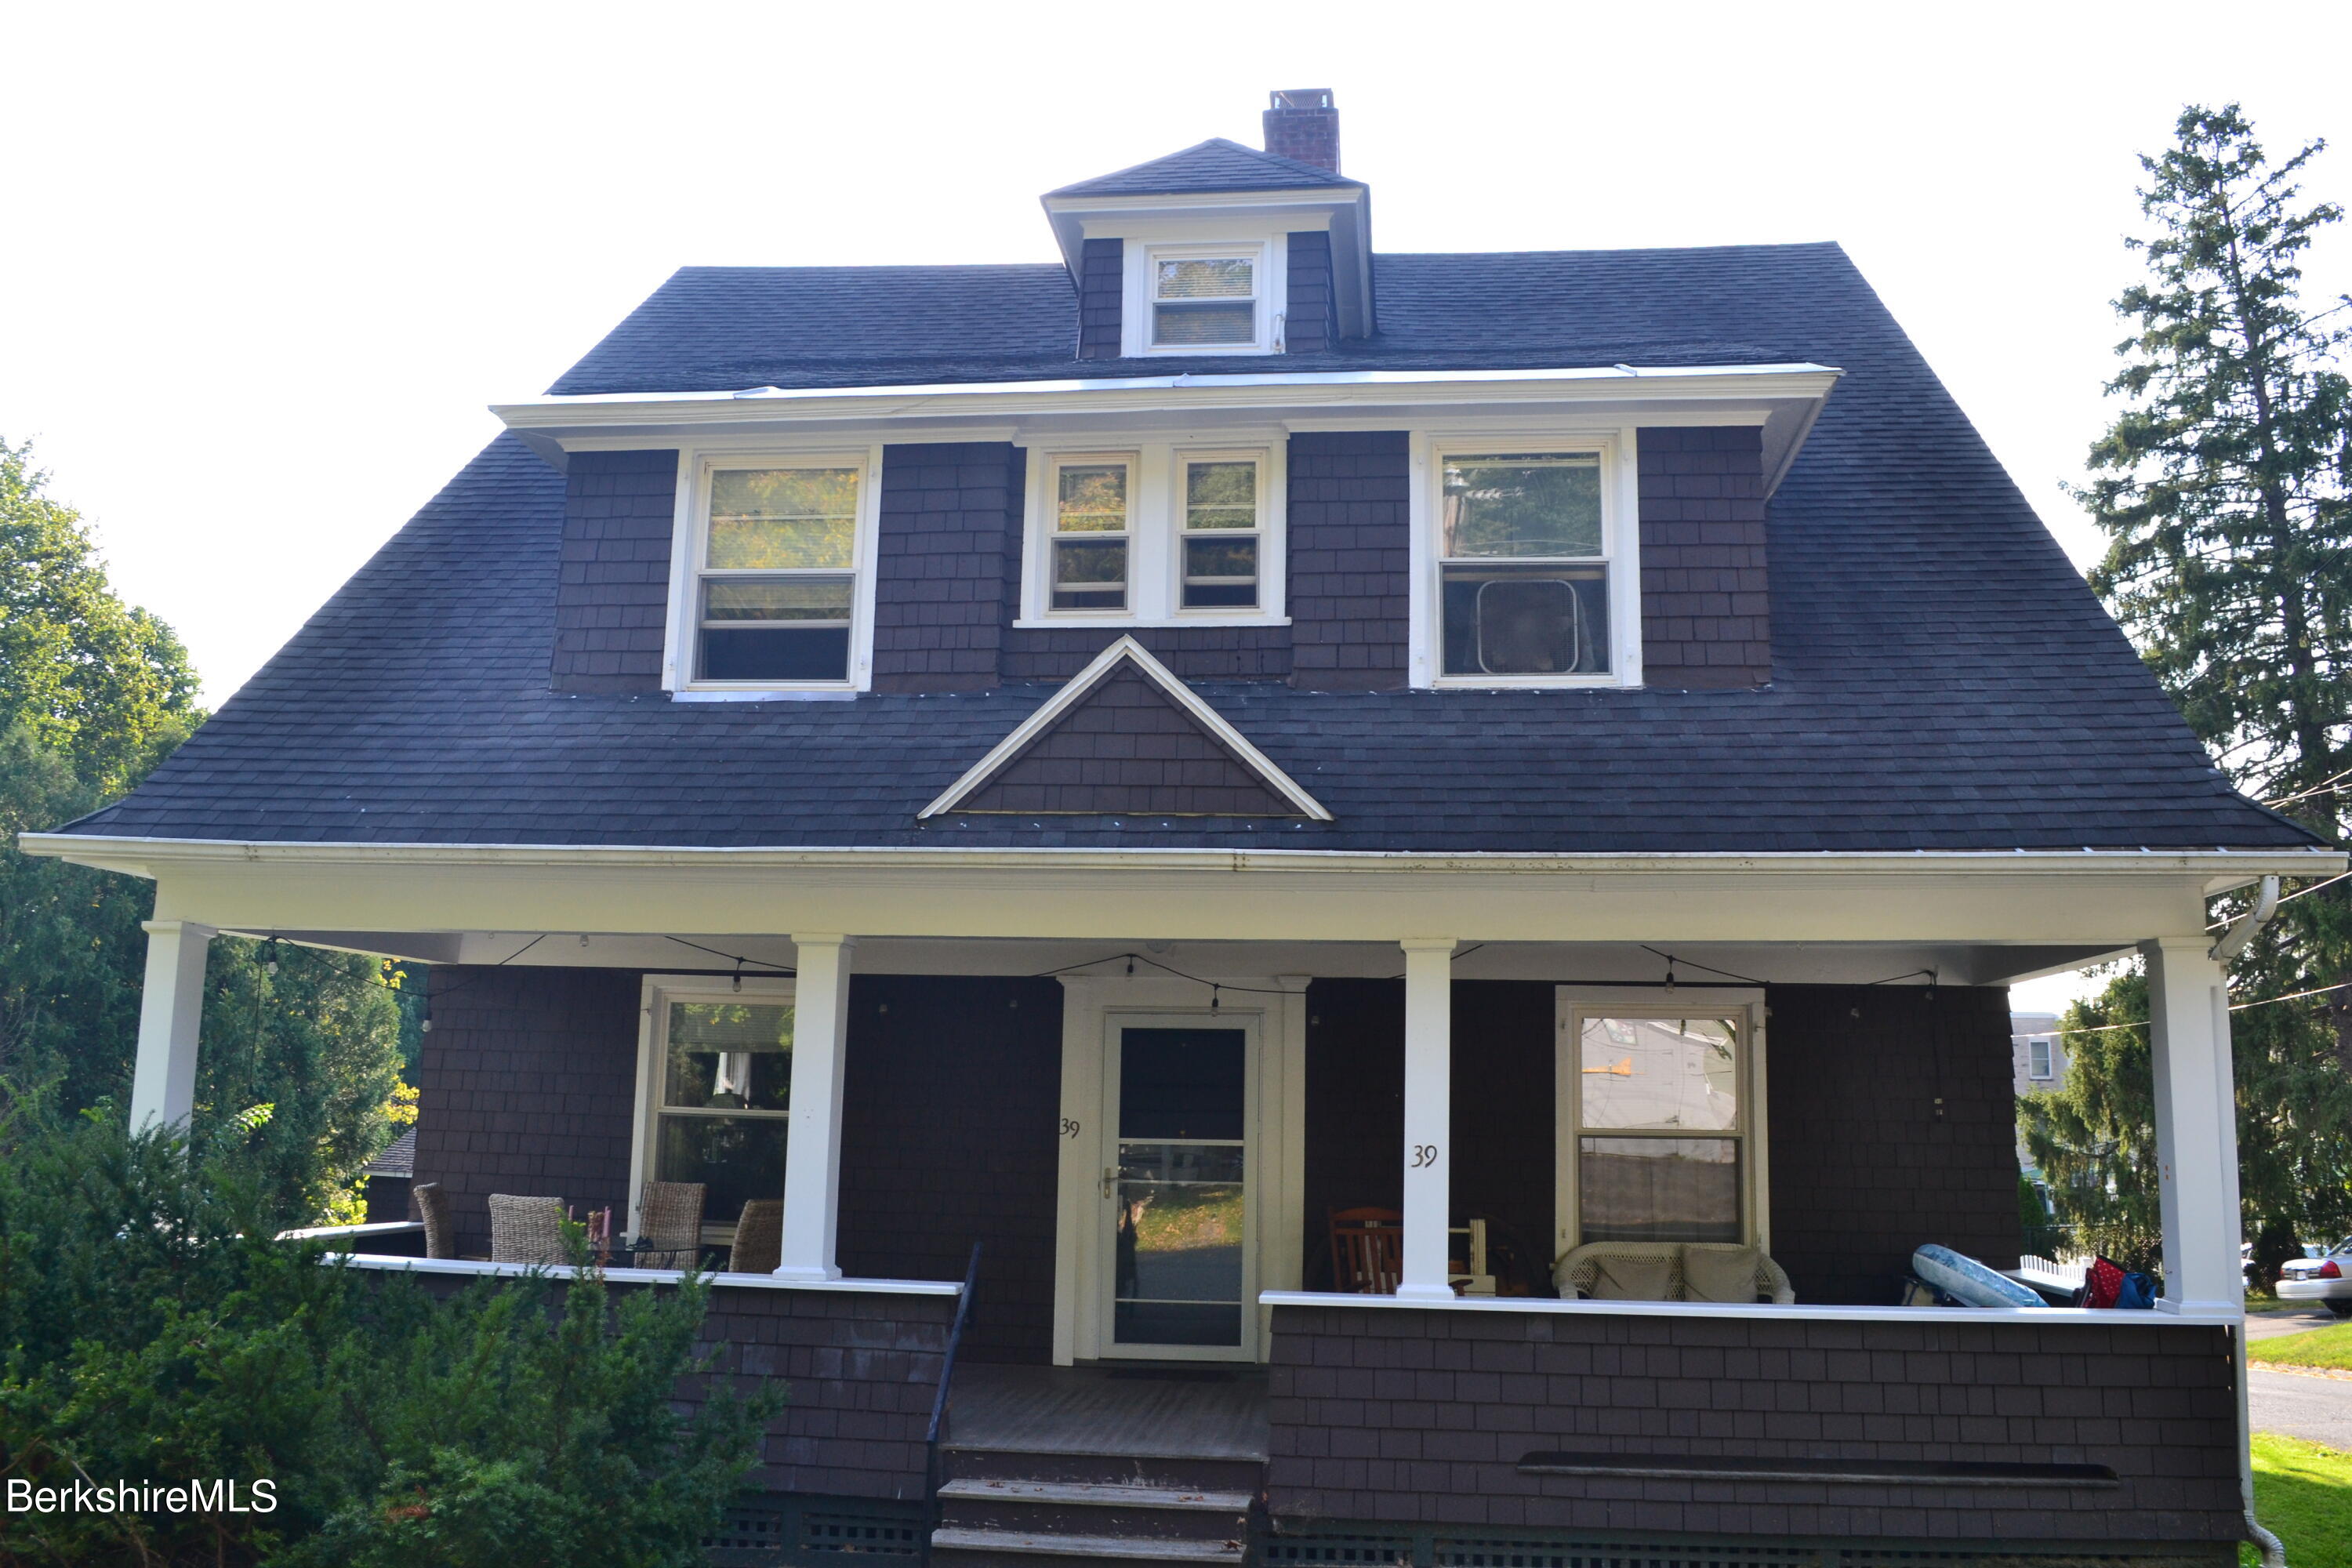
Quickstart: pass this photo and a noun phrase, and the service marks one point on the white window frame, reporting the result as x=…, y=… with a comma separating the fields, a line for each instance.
x=2049, y=1048
x=1571, y=1004
x=1268, y=252
x=1620, y=545
x=690, y=547
x=1155, y=556
x=655, y=995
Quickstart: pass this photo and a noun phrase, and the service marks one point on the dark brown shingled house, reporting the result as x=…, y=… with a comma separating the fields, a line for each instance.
x=1421, y=850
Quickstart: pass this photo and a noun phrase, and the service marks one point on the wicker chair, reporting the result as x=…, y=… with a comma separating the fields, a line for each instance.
x=759, y=1237
x=433, y=1208
x=1578, y=1268
x=669, y=1224
x=526, y=1230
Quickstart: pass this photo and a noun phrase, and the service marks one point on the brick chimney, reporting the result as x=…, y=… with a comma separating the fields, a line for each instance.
x=1302, y=124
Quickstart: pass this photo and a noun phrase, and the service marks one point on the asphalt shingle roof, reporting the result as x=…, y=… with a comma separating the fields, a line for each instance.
x=1943, y=679
x=1215, y=164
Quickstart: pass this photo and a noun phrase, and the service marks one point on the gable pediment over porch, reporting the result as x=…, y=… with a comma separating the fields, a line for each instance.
x=1127, y=738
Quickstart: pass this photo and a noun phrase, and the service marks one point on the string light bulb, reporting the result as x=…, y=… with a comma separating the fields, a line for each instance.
x=738, y=973
x=269, y=966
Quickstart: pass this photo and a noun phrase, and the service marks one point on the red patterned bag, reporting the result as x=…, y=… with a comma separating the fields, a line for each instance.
x=2104, y=1283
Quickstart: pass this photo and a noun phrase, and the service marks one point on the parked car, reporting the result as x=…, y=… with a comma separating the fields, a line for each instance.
x=2326, y=1280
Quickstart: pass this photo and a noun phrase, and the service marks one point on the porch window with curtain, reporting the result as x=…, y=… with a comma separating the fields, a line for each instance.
x=1661, y=1144
x=726, y=1097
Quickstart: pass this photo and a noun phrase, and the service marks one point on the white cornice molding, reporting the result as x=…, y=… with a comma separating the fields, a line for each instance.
x=2231, y=868
x=1126, y=651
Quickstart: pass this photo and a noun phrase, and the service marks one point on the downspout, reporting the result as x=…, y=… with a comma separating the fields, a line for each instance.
x=2273, y=1551
x=2233, y=942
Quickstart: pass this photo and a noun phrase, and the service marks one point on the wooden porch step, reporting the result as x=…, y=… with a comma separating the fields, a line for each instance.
x=1166, y=1472
x=987, y=1548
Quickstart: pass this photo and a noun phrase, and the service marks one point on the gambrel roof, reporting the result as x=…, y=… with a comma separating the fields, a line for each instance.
x=1942, y=679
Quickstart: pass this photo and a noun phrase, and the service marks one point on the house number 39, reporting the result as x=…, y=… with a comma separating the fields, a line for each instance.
x=1069, y=1127
x=1424, y=1156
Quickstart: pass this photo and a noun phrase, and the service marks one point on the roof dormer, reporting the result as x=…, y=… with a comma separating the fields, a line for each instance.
x=1221, y=250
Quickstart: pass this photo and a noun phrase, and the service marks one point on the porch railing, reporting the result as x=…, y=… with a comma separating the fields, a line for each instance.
x=931, y=1477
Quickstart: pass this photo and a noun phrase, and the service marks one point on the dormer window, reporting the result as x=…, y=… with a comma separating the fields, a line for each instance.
x=1170, y=532
x=1218, y=292
x=1202, y=301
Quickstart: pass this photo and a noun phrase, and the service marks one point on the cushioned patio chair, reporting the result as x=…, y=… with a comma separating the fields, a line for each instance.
x=526, y=1230
x=759, y=1237
x=1659, y=1263
x=433, y=1208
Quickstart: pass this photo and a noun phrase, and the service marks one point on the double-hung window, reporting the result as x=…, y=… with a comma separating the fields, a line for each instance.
x=719, y=1083
x=774, y=585
x=2037, y=1059
x=1524, y=562
x=1203, y=301
x=1656, y=1128
x=1223, y=508
x=1165, y=532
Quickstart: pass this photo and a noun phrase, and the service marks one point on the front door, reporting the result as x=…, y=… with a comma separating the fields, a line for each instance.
x=1177, y=1220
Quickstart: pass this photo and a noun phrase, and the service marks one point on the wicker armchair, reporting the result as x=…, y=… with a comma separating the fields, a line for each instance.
x=669, y=1224
x=759, y=1237
x=433, y=1208
x=1577, y=1269
x=526, y=1230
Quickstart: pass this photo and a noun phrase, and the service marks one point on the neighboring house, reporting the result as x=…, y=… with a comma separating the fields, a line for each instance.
x=2037, y=1053
x=389, y=1175
x=1115, y=761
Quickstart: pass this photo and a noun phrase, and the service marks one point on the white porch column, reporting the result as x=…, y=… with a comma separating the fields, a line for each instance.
x=163, y=1085
x=2196, y=1125
x=812, y=1146
x=1428, y=1115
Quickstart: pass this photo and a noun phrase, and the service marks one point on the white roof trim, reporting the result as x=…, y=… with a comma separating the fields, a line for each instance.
x=1075, y=691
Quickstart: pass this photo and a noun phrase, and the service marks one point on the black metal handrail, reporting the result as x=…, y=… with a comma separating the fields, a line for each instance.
x=940, y=1400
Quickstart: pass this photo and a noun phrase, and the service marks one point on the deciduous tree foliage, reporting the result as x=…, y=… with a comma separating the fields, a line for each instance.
x=93, y=694
x=2225, y=489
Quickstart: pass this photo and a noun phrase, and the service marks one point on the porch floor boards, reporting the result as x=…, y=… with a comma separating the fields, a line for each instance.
x=1090, y=1410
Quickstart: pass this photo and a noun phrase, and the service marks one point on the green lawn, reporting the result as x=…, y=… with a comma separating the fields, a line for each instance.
x=2302, y=1495
x=2330, y=1347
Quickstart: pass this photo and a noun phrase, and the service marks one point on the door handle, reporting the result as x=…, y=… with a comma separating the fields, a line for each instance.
x=1109, y=1182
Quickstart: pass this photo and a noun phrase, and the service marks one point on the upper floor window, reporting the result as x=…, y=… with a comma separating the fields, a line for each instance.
x=2037, y=1059
x=777, y=591
x=1221, y=297
x=1530, y=546
x=1160, y=532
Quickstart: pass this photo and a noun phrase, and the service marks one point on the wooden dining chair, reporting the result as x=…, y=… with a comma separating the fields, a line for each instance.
x=1367, y=1250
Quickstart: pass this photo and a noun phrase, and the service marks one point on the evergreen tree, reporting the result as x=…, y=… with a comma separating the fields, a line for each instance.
x=2225, y=489
x=301, y=1051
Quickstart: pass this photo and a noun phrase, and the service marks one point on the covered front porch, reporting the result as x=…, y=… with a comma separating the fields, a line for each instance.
x=1144, y=1084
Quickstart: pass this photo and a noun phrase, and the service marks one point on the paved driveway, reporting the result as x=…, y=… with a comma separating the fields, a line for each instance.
x=2315, y=1409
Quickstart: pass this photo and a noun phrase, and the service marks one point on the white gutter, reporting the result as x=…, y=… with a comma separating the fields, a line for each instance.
x=2241, y=866
x=2233, y=940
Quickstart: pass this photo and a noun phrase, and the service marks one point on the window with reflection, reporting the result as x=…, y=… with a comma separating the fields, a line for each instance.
x=724, y=1100
x=1091, y=499
x=1205, y=302
x=774, y=596
x=1523, y=566
x=1220, y=532
x=1660, y=1139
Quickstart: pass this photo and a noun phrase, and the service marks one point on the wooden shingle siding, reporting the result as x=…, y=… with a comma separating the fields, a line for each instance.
x=1394, y=1414
x=1865, y=1164
x=1351, y=560
x=1126, y=749
x=1102, y=287
x=950, y=1108
x=526, y=1086
x=1192, y=653
x=941, y=575
x=611, y=595
x=1307, y=326
x=1706, y=607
